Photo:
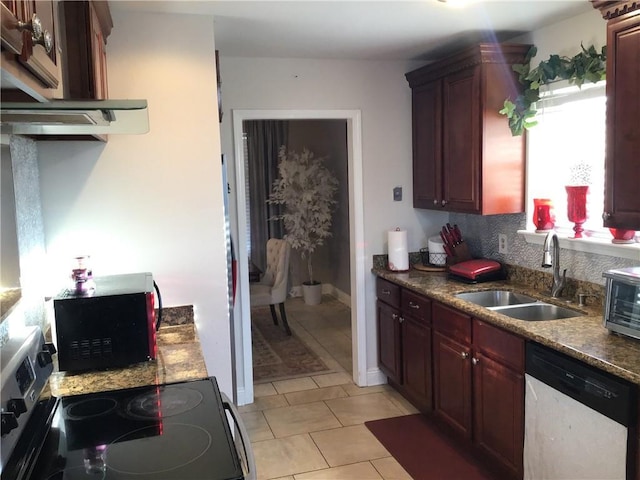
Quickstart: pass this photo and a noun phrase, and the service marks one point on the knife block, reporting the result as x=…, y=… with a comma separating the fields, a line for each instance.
x=460, y=254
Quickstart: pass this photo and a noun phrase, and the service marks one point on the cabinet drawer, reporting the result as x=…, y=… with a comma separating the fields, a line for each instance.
x=454, y=324
x=388, y=292
x=498, y=344
x=415, y=305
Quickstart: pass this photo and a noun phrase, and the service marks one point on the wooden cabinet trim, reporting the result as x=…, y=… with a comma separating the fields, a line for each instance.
x=614, y=9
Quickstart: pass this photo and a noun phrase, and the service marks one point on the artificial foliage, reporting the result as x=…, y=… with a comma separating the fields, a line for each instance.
x=306, y=189
x=587, y=65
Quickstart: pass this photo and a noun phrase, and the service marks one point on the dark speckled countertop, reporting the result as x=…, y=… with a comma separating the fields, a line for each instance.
x=582, y=337
x=179, y=359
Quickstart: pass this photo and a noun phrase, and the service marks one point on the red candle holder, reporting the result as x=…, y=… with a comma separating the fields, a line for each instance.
x=621, y=235
x=577, y=207
x=543, y=216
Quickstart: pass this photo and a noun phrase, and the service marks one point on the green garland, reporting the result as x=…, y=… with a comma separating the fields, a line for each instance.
x=588, y=65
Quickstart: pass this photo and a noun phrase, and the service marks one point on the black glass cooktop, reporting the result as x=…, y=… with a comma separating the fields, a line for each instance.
x=173, y=432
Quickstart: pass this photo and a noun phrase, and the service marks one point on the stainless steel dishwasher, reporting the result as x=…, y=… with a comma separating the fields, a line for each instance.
x=576, y=419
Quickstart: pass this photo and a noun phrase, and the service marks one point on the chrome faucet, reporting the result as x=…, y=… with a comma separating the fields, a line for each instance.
x=558, y=281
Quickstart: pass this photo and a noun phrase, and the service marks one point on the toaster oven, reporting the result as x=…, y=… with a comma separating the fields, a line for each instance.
x=622, y=301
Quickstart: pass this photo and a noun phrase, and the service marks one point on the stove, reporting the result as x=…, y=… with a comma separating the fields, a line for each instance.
x=176, y=431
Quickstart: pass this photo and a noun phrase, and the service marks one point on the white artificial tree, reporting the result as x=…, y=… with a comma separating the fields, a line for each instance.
x=306, y=189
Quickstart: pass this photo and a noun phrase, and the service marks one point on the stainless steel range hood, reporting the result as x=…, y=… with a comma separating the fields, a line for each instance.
x=82, y=117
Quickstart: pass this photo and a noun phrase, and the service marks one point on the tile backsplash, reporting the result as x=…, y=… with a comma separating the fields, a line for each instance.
x=481, y=234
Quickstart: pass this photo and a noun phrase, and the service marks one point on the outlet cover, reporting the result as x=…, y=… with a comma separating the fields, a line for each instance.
x=397, y=194
x=502, y=243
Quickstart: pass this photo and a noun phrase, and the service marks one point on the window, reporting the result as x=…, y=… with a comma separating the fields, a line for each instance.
x=567, y=147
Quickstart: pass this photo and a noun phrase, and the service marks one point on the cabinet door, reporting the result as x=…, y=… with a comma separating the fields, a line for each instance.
x=427, y=145
x=12, y=11
x=98, y=47
x=43, y=64
x=389, y=341
x=461, y=141
x=416, y=362
x=452, y=382
x=622, y=202
x=87, y=25
x=498, y=412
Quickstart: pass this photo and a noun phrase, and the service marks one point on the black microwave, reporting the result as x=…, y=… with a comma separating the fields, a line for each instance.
x=110, y=326
x=622, y=301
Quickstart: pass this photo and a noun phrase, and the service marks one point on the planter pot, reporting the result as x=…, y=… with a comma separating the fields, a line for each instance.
x=312, y=293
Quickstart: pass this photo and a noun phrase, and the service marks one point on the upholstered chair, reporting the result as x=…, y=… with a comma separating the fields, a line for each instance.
x=272, y=288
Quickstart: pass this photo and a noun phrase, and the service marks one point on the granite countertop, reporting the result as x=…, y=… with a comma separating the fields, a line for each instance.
x=582, y=337
x=179, y=359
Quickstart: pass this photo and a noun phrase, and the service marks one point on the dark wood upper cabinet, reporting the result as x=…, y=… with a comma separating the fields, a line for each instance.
x=32, y=66
x=464, y=156
x=87, y=26
x=622, y=163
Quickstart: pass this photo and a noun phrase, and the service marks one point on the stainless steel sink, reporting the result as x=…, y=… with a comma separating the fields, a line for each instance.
x=495, y=298
x=535, y=312
x=518, y=305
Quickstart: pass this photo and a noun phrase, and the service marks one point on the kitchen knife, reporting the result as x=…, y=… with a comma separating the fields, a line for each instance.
x=448, y=240
x=452, y=235
x=457, y=233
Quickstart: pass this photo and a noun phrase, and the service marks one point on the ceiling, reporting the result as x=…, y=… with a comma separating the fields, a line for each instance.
x=371, y=29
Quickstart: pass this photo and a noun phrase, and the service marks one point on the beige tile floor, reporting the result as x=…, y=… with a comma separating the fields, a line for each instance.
x=312, y=428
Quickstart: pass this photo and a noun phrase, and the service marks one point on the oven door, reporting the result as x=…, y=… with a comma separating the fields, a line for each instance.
x=622, y=308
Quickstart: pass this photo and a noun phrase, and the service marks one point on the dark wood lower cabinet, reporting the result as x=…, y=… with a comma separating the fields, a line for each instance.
x=498, y=412
x=389, y=341
x=479, y=387
x=416, y=362
x=452, y=383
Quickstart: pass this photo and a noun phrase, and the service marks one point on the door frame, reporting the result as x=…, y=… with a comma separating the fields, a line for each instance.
x=242, y=312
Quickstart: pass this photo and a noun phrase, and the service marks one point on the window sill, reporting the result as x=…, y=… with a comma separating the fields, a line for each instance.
x=589, y=245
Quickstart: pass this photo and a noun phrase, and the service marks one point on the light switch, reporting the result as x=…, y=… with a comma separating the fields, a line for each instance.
x=397, y=194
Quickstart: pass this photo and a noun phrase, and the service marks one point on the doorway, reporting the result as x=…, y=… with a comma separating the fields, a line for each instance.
x=242, y=318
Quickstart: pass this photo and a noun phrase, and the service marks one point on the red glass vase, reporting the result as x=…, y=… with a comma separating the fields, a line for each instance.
x=577, y=207
x=543, y=215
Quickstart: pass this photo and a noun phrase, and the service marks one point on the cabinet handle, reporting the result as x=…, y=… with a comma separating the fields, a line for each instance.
x=606, y=216
x=444, y=202
x=34, y=26
x=46, y=40
x=401, y=319
x=386, y=292
x=435, y=201
x=475, y=361
x=414, y=305
x=395, y=316
x=464, y=355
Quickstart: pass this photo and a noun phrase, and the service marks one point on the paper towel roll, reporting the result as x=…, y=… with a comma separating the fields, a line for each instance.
x=398, y=253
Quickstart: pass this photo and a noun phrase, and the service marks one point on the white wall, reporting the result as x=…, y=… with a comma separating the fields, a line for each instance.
x=151, y=202
x=380, y=91
x=564, y=38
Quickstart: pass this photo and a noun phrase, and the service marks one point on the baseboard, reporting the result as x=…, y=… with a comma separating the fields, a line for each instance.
x=241, y=398
x=327, y=289
x=375, y=377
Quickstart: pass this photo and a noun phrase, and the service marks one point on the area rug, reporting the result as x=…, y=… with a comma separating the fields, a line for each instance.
x=278, y=356
x=423, y=452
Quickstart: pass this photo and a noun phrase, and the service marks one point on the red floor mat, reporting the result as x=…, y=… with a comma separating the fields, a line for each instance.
x=423, y=452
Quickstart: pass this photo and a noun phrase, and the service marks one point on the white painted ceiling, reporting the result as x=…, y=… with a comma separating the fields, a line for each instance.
x=371, y=29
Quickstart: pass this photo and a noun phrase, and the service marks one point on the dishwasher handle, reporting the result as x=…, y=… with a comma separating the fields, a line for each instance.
x=228, y=405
